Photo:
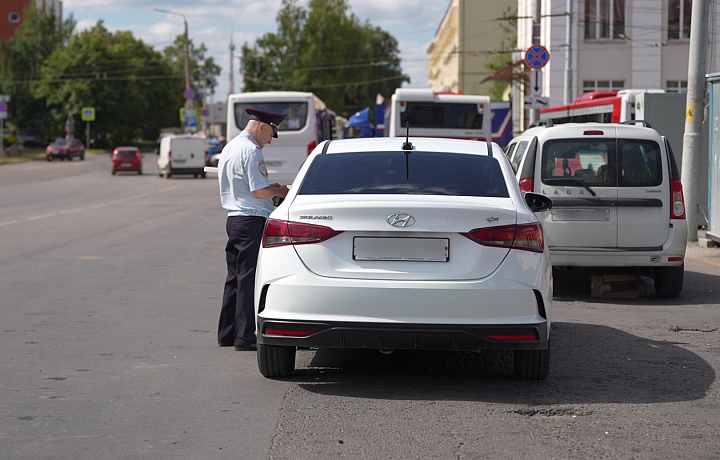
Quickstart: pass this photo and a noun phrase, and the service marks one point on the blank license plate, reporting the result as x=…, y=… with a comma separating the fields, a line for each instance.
x=126, y=165
x=401, y=249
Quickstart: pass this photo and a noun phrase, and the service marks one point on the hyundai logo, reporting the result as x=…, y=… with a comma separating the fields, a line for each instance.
x=400, y=219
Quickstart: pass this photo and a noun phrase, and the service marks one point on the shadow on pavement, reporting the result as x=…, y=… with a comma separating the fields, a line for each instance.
x=589, y=364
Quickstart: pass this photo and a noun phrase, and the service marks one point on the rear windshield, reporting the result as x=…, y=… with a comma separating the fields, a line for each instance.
x=425, y=173
x=296, y=112
x=126, y=154
x=603, y=162
x=439, y=115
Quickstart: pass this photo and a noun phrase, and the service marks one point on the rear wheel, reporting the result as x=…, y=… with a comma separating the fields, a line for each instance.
x=274, y=361
x=49, y=158
x=82, y=157
x=113, y=172
x=139, y=172
x=532, y=364
x=669, y=281
x=203, y=175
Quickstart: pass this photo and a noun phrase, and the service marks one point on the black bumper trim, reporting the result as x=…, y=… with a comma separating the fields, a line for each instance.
x=451, y=337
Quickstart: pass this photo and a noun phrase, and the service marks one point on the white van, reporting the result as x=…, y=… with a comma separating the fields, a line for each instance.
x=182, y=154
x=308, y=123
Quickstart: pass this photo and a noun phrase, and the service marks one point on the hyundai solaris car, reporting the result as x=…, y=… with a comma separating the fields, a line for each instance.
x=126, y=159
x=392, y=243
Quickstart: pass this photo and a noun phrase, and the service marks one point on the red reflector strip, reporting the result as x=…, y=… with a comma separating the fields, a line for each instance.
x=512, y=337
x=674, y=259
x=287, y=332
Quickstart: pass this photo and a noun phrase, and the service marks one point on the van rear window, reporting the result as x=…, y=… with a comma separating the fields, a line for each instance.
x=604, y=162
x=425, y=173
x=296, y=112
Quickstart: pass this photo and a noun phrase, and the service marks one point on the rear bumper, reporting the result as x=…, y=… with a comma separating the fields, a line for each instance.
x=450, y=337
x=197, y=170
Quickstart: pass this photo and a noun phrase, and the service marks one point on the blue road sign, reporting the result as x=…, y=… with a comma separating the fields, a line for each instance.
x=537, y=56
x=190, y=119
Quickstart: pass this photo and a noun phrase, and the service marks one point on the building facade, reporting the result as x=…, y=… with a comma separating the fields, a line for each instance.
x=12, y=12
x=469, y=34
x=614, y=44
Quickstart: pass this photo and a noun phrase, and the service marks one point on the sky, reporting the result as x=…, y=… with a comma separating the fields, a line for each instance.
x=413, y=23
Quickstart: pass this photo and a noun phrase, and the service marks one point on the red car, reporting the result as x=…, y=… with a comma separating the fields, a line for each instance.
x=65, y=149
x=126, y=159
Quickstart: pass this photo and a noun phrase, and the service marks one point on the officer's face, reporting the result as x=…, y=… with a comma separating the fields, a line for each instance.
x=267, y=134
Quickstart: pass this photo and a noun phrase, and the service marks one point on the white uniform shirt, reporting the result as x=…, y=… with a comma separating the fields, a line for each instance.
x=241, y=170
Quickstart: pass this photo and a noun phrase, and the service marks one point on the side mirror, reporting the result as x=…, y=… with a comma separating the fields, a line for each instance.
x=538, y=202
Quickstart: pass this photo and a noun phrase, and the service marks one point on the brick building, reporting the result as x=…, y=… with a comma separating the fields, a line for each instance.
x=12, y=11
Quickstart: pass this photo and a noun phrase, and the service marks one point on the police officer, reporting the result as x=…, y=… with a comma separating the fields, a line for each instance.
x=246, y=193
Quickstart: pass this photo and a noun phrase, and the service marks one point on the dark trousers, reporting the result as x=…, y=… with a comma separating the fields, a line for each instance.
x=237, y=316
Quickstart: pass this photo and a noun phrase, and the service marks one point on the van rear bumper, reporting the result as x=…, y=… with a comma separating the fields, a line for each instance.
x=198, y=170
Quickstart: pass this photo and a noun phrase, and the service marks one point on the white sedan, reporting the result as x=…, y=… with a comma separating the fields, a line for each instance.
x=392, y=243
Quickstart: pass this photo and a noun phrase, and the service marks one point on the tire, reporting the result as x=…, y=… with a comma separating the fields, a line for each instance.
x=669, y=281
x=82, y=157
x=202, y=175
x=113, y=172
x=531, y=364
x=274, y=361
x=139, y=172
x=49, y=158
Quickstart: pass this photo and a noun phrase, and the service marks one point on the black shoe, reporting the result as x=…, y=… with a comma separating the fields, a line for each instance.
x=225, y=344
x=251, y=347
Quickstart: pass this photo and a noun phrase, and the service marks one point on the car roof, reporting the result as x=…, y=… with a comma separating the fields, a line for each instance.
x=389, y=144
x=126, y=148
x=611, y=130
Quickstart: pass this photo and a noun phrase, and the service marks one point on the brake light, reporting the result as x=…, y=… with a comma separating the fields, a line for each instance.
x=282, y=233
x=287, y=332
x=311, y=146
x=678, y=201
x=593, y=133
x=526, y=237
x=207, y=154
x=169, y=156
x=137, y=154
x=527, y=185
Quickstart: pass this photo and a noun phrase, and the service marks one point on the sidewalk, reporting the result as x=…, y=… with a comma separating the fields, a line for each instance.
x=711, y=254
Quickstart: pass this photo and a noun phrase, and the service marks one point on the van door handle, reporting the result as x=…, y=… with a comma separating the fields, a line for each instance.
x=192, y=155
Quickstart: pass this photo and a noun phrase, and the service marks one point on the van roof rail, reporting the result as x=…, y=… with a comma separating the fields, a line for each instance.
x=636, y=122
x=547, y=122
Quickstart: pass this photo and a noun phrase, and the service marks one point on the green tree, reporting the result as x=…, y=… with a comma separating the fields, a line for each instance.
x=325, y=49
x=122, y=77
x=203, y=69
x=504, y=55
x=22, y=58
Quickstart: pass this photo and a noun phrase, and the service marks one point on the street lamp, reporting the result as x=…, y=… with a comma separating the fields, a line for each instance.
x=187, y=64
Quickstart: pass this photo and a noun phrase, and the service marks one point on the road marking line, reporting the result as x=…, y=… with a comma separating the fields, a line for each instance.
x=9, y=222
x=168, y=189
x=118, y=201
x=142, y=195
x=41, y=216
x=70, y=211
x=99, y=205
x=703, y=260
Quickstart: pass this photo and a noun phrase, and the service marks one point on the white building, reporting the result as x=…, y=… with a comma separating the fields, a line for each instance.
x=615, y=44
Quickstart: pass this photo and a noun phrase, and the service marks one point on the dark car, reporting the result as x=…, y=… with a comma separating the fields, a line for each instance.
x=126, y=159
x=65, y=149
x=214, y=147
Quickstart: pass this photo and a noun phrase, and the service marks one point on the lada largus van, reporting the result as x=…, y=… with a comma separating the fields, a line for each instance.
x=182, y=154
x=617, y=197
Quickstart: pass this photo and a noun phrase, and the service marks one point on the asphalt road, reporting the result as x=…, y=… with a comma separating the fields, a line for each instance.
x=110, y=290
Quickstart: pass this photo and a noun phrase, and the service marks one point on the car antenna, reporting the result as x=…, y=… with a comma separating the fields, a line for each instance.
x=407, y=150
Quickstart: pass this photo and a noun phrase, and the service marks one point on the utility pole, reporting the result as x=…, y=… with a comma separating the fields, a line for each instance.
x=568, y=53
x=232, y=61
x=692, y=140
x=537, y=14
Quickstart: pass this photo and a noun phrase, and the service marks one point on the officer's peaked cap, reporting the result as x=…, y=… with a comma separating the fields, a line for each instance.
x=272, y=119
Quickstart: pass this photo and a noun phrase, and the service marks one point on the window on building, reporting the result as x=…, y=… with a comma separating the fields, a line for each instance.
x=14, y=16
x=603, y=85
x=676, y=86
x=604, y=19
x=679, y=19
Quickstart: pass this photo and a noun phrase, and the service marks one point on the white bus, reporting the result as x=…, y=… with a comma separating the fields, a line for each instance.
x=308, y=123
x=432, y=114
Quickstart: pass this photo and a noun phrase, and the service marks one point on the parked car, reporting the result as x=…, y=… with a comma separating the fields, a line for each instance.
x=384, y=245
x=126, y=159
x=214, y=147
x=618, y=199
x=65, y=149
x=182, y=154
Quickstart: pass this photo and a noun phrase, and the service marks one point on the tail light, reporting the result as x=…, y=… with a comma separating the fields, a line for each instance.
x=137, y=154
x=207, y=154
x=678, y=201
x=311, y=146
x=282, y=233
x=526, y=237
x=527, y=185
x=169, y=156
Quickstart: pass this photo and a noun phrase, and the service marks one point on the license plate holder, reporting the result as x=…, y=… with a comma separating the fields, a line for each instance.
x=400, y=249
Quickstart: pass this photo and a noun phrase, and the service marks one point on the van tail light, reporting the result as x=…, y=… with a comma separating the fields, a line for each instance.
x=526, y=237
x=207, y=154
x=527, y=185
x=282, y=233
x=169, y=156
x=311, y=146
x=678, y=201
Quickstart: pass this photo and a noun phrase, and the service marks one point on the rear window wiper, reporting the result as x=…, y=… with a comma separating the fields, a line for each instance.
x=571, y=180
